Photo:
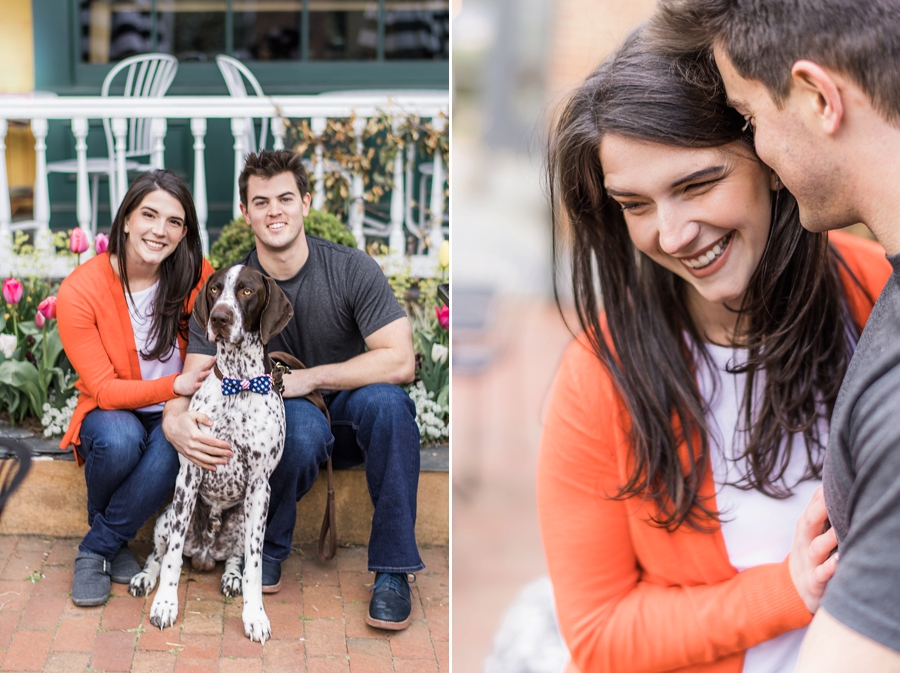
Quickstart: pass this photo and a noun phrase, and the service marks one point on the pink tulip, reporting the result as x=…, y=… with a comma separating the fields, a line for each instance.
x=12, y=291
x=39, y=319
x=101, y=243
x=443, y=316
x=47, y=308
x=78, y=241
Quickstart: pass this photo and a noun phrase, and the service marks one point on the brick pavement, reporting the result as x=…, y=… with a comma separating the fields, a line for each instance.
x=318, y=619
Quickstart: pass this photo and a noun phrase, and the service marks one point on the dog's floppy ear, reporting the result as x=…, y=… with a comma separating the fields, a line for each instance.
x=276, y=313
x=201, y=304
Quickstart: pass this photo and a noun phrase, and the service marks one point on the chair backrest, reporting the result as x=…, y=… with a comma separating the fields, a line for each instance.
x=145, y=76
x=237, y=78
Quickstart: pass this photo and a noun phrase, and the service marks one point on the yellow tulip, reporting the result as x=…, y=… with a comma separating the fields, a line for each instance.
x=444, y=255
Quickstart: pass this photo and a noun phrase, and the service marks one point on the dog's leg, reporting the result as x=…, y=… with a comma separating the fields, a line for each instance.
x=143, y=583
x=231, y=578
x=256, y=505
x=165, y=605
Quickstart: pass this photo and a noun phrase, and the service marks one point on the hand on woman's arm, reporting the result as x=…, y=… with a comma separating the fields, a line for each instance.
x=810, y=564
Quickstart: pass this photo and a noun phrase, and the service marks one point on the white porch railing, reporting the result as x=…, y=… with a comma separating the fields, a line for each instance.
x=198, y=109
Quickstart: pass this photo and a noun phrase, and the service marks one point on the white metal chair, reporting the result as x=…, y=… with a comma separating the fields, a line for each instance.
x=145, y=76
x=237, y=78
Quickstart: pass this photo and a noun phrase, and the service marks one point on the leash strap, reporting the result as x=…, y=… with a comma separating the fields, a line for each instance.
x=282, y=363
x=329, y=521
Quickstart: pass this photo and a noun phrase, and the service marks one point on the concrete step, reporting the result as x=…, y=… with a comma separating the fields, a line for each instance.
x=52, y=501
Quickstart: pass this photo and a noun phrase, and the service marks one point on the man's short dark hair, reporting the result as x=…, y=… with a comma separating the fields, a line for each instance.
x=268, y=164
x=860, y=39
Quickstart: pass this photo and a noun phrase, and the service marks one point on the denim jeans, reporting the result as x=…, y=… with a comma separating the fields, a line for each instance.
x=375, y=425
x=130, y=470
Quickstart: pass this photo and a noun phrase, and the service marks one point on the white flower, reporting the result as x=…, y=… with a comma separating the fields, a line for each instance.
x=7, y=344
x=439, y=353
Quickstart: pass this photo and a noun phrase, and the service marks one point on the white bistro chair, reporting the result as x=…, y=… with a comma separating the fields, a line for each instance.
x=143, y=76
x=242, y=83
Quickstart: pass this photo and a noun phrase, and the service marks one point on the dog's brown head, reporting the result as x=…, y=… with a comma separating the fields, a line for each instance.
x=238, y=301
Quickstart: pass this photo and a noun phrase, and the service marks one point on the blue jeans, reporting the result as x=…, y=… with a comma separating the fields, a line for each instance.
x=130, y=470
x=375, y=425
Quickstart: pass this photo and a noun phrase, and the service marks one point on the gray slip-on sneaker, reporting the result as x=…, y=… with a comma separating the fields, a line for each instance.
x=124, y=566
x=90, y=584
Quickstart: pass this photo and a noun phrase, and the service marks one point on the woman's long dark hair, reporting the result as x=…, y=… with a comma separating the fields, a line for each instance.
x=178, y=274
x=794, y=321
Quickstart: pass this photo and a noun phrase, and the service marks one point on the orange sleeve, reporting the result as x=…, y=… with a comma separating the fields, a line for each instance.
x=611, y=618
x=80, y=312
x=870, y=270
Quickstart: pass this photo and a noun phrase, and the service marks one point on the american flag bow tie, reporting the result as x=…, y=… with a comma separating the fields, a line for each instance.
x=259, y=384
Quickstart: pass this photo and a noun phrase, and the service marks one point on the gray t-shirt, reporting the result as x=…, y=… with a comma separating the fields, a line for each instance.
x=862, y=479
x=340, y=297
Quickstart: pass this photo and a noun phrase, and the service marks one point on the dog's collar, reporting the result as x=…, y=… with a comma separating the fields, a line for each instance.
x=257, y=384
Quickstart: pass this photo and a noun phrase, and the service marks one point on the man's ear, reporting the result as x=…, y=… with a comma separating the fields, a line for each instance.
x=820, y=89
x=307, y=202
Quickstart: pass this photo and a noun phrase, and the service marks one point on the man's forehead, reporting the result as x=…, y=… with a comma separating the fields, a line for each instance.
x=277, y=185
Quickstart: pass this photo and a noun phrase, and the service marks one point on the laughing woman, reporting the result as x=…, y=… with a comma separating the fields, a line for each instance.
x=678, y=477
x=123, y=323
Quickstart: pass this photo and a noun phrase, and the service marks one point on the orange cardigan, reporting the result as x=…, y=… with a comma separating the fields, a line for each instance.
x=96, y=333
x=632, y=597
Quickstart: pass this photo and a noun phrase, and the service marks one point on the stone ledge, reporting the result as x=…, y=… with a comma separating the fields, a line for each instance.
x=53, y=501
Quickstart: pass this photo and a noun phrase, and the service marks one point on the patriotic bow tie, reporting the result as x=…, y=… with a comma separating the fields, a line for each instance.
x=260, y=384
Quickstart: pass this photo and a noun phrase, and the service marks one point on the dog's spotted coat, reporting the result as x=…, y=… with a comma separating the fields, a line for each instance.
x=221, y=515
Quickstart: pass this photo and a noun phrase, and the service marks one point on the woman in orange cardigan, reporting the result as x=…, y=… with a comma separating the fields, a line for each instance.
x=123, y=323
x=683, y=442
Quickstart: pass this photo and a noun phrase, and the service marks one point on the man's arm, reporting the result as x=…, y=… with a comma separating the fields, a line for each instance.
x=830, y=647
x=390, y=359
x=182, y=426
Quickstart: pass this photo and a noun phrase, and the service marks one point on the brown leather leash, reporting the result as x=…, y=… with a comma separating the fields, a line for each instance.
x=282, y=363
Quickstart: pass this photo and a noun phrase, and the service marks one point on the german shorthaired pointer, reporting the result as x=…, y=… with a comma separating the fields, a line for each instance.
x=221, y=515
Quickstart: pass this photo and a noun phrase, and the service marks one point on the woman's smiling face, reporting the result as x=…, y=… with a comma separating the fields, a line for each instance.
x=702, y=213
x=154, y=228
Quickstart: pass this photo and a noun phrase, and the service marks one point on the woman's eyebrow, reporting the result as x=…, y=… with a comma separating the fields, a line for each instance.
x=708, y=172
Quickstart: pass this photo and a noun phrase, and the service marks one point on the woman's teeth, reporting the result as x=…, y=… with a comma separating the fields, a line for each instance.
x=153, y=245
x=710, y=256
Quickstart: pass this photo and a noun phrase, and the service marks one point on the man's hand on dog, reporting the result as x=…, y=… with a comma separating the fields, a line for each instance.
x=183, y=427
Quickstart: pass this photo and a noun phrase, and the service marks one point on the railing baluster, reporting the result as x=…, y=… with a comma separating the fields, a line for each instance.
x=158, y=127
x=411, y=225
x=278, y=133
x=120, y=130
x=43, y=241
x=198, y=128
x=5, y=207
x=437, y=194
x=396, y=240
x=318, y=125
x=357, y=187
x=238, y=129
x=83, y=209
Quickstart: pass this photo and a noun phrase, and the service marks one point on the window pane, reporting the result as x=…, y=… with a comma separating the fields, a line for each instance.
x=343, y=30
x=113, y=30
x=267, y=30
x=416, y=30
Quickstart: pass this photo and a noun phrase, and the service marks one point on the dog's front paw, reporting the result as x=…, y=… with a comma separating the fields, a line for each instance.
x=141, y=584
x=164, y=611
x=231, y=584
x=256, y=624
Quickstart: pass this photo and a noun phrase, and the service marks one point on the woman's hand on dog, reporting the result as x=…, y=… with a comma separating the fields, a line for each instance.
x=188, y=383
x=811, y=562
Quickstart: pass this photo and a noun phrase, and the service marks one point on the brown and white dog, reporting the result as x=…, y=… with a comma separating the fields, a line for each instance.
x=221, y=515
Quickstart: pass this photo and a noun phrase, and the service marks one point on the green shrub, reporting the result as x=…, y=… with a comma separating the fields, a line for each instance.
x=237, y=238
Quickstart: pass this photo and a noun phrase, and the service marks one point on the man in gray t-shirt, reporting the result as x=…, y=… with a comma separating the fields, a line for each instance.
x=819, y=83
x=356, y=343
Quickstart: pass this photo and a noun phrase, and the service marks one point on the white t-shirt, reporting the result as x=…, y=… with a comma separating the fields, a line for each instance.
x=140, y=308
x=757, y=528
